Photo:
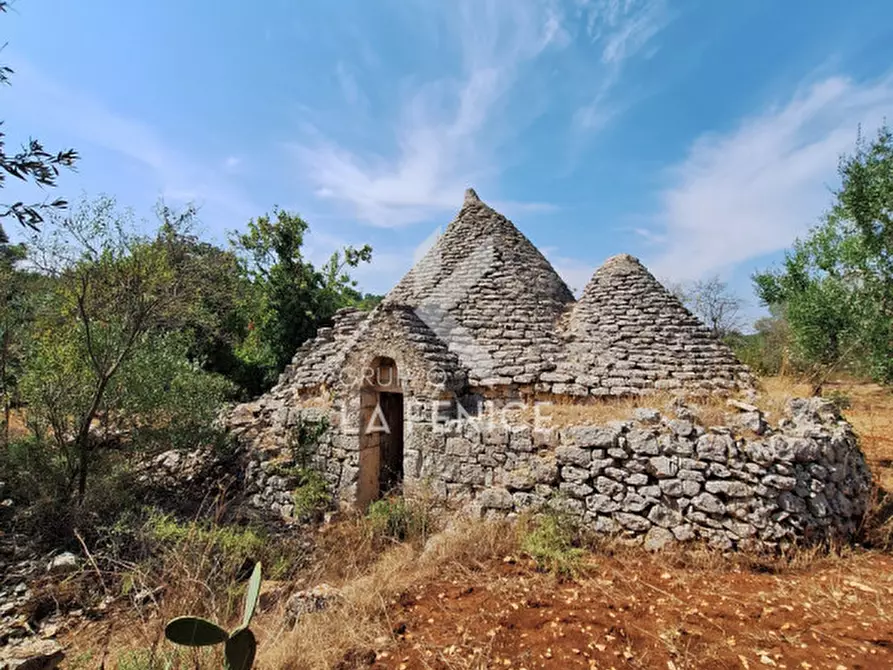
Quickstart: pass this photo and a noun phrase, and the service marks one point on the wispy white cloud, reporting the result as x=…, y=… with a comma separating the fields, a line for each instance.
x=232, y=163
x=350, y=87
x=88, y=122
x=751, y=191
x=624, y=30
x=624, y=27
x=449, y=131
x=388, y=265
x=445, y=134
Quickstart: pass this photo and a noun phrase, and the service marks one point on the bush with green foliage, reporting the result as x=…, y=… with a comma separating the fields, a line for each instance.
x=303, y=439
x=311, y=496
x=835, y=288
x=240, y=645
x=551, y=539
x=292, y=296
x=156, y=659
x=766, y=350
x=102, y=356
x=401, y=519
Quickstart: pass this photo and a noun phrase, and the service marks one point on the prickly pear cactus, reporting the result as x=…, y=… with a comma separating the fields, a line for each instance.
x=240, y=645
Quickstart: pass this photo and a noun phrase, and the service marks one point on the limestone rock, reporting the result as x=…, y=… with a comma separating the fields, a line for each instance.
x=708, y=503
x=632, y=522
x=496, y=498
x=713, y=447
x=32, y=655
x=63, y=564
x=311, y=600
x=646, y=415
x=657, y=538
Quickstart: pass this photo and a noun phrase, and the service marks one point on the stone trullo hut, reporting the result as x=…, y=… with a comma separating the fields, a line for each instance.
x=483, y=320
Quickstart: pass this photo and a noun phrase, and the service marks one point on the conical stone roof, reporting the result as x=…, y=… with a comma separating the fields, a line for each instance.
x=628, y=333
x=490, y=295
x=485, y=308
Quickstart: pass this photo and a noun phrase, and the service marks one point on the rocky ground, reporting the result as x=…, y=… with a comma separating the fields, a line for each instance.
x=25, y=634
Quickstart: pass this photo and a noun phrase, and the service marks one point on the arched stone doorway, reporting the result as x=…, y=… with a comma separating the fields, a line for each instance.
x=381, y=431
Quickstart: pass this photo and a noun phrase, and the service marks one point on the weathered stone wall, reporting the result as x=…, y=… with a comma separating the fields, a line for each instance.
x=668, y=479
x=267, y=431
x=652, y=477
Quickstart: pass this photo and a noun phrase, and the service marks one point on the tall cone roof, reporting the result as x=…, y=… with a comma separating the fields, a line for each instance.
x=486, y=309
x=490, y=295
x=627, y=332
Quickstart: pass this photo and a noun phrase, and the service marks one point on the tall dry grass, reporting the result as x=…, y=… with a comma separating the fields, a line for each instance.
x=359, y=622
x=560, y=412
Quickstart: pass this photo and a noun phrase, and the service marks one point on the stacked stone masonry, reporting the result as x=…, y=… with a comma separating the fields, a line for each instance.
x=494, y=314
x=628, y=333
x=650, y=478
x=484, y=317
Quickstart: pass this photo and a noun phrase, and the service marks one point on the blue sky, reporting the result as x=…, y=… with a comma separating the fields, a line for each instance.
x=700, y=136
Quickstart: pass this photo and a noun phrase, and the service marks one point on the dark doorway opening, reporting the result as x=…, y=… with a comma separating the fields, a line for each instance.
x=381, y=433
x=390, y=475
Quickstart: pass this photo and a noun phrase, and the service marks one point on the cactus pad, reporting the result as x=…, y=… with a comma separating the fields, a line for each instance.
x=193, y=631
x=240, y=649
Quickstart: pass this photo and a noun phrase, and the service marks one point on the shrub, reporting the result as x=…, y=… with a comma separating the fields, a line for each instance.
x=551, y=543
x=840, y=400
x=400, y=519
x=877, y=526
x=150, y=659
x=236, y=544
x=303, y=439
x=38, y=481
x=312, y=496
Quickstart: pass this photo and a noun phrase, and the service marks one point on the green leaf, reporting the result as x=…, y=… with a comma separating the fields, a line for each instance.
x=252, y=595
x=240, y=649
x=192, y=631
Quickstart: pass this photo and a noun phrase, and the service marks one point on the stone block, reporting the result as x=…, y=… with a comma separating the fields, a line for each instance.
x=572, y=473
x=643, y=442
x=707, y=502
x=575, y=489
x=729, y=487
x=665, y=517
x=601, y=503
x=712, y=447
x=573, y=455
x=663, y=467
x=632, y=522
x=496, y=498
x=600, y=464
x=609, y=487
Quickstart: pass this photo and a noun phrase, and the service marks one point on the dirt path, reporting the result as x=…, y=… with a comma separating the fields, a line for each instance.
x=640, y=613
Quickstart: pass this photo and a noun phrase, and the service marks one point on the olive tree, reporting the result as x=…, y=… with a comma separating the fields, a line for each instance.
x=103, y=359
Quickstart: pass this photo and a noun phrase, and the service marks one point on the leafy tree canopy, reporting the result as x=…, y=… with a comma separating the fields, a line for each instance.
x=293, y=298
x=103, y=347
x=835, y=287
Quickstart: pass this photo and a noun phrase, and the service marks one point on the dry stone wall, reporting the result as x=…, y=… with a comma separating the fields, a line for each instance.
x=664, y=480
x=651, y=478
x=269, y=430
